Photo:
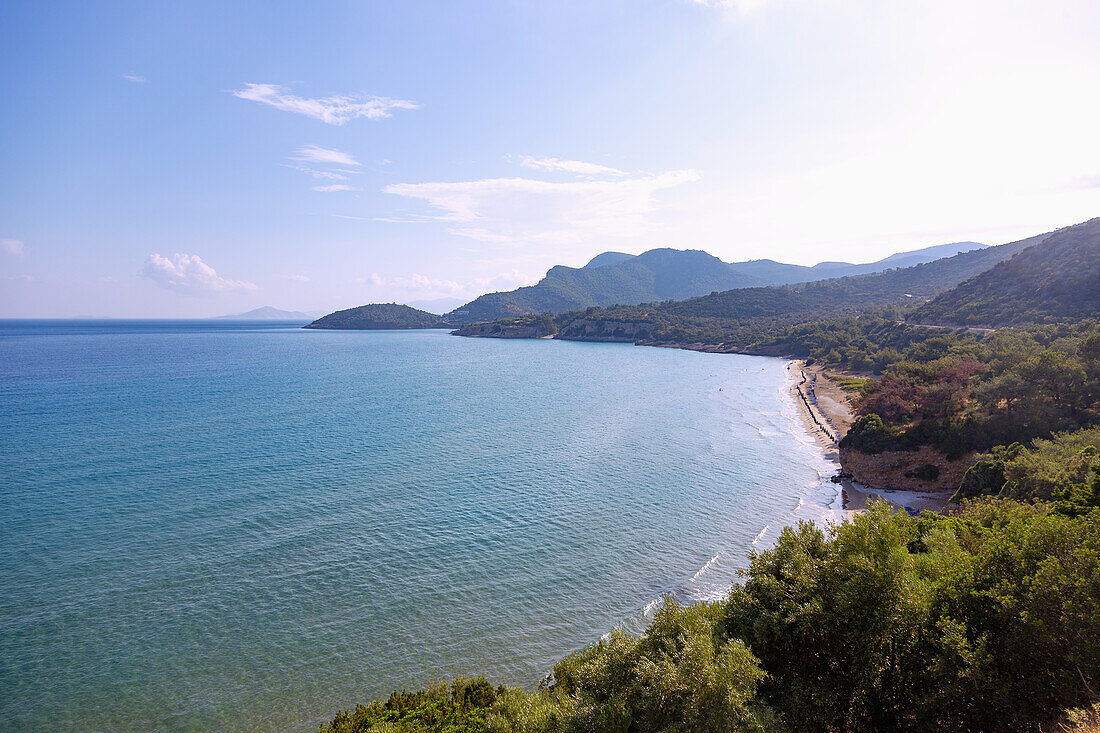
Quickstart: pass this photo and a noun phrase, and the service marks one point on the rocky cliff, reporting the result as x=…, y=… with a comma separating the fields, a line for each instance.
x=925, y=469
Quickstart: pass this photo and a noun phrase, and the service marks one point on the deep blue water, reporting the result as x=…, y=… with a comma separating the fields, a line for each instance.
x=210, y=525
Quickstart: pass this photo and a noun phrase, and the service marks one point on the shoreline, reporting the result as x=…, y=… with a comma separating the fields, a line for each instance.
x=826, y=417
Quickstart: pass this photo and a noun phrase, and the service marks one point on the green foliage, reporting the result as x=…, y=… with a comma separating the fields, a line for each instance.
x=679, y=676
x=1048, y=468
x=460, y=707
x=859, y=386
x=987, y=476
x=975, y=622
x=1058, y=280
x=868, y=434
x=987, y=620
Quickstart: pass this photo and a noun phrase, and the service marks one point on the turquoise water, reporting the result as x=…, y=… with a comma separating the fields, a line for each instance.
x=245, y=527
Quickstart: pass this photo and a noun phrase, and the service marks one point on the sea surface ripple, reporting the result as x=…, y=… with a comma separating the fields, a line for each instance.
x=212, y=525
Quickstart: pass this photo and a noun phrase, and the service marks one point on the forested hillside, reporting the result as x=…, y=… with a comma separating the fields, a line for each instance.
x=659, y=274
x=1059, y=280
x=667, y=274
x=743, y=318
x=379, y=316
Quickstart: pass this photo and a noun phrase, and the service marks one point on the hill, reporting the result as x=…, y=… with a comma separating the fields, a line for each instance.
x=613, y=277
x=267, y=313
x=1056, y=281
x=741, y=317
x=617, y=278
x=379, y=316
x=780, y=273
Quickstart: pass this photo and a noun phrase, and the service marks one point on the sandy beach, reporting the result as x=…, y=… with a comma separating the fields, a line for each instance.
x=826, y=413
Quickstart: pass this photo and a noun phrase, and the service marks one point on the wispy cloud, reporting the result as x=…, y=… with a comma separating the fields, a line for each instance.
x=315, y=155
x=135, y=78
x=322, y=175
x=189, y=274
x=333, y=187
x=524, y=210
x=328, y=156
x=335, y=110
x=13, y=247
x=569, y=166
x=299, y=278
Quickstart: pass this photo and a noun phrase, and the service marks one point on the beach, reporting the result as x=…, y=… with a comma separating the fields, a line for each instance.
x=826, y=413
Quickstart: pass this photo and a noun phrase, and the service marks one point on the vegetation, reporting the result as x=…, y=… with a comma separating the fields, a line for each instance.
x=379, y=316
x=1064, y=469
x=1057, y=281
x=661, y=276
x=987, y=620
x=658, y=274
x=962, y=392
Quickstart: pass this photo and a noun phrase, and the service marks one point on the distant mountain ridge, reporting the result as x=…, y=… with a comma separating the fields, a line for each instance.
x=610, y=278
x=779, y=273
x=733, y=319
x=268, y=313
x=617, y=278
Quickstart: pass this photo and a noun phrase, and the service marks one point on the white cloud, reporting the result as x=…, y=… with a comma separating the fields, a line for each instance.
x=325, y=156
x=12, y=246
x=299, y=278
x=322, y=175
x=135, y=78
x=333, y=187
x=523, y=210
x=189, y=274
x=335, y=110
x=569, y=166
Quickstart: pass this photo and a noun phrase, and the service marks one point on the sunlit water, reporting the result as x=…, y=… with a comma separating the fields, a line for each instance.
x=239, y=526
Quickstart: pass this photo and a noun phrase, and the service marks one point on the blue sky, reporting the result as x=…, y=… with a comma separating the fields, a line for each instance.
x=193, y=159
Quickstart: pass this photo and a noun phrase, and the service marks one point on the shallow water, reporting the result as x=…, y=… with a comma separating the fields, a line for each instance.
x=240, y=526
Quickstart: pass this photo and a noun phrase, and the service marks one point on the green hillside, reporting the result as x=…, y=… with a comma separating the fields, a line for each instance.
x=743, y=317
x=379, y=316
x=616, y=278
x=1059, y=280
x=658, y=274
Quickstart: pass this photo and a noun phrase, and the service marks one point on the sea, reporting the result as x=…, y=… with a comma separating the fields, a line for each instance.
x=217, y=525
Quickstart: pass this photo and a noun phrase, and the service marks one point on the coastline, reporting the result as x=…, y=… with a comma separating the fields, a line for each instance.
x=826, y=417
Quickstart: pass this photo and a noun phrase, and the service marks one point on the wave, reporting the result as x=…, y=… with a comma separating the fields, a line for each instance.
x=706, y=565
x=761, y=535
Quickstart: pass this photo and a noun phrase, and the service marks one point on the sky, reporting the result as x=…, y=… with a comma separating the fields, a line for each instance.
x=194, y=159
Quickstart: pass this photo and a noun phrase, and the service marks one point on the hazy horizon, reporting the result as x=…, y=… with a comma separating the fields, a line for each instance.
x=195, y=161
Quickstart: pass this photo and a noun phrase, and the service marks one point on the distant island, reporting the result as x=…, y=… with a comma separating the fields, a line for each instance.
x=379, y=317
x=268, y=313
